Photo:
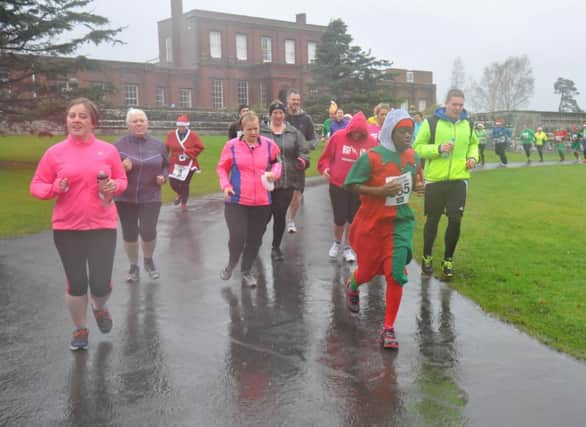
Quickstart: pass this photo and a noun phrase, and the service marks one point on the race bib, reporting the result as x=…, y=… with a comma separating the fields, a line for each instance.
x=402, y=197
x=180, y=172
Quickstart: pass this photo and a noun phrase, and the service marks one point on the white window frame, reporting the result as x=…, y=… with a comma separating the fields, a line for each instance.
x=266, y=45
x=217, y=94
x=405, y=104
x=160, y=96
x=410, y=77
x=131, y=95
x=169, y=50
x=215, y=44
x=311, y=52
x=185, y=100
x=242, y=92
x=263, y=94
x=289, y=51
x=241, y=47
x=422, y=104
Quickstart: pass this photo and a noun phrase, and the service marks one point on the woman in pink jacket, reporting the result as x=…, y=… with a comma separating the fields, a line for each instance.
x=83, y=174
x=247, y=169
x=343, y=149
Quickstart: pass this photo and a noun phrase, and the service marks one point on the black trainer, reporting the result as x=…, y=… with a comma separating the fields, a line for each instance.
x=150, y=268
x=103, y=319
x=133, y=274
x=277, y=255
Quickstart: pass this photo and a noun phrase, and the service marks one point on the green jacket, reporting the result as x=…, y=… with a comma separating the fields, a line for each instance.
x=481, y=135
x=527, y=136
x=449, y=166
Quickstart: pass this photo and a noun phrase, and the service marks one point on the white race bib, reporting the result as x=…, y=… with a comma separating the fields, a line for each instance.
x=402, y=197
x=180, y=172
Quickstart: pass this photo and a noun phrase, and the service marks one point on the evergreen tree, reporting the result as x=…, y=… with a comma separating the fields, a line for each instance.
x=567, y=89
x=347, y=74
x=32, y=34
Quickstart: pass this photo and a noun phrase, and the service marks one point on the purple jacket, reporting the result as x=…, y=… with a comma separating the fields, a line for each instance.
x=149, y=159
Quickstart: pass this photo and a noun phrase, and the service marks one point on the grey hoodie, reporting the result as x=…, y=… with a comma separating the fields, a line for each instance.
x=386, y=134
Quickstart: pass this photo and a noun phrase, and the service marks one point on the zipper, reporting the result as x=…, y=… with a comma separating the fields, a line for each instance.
x=452, y=152
x=139, y=170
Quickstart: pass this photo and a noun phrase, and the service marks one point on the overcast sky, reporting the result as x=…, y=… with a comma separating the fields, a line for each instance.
x=413, y=34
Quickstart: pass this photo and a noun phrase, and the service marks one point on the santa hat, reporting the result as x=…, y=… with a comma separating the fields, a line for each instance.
x=498, y=122
x=182, y=120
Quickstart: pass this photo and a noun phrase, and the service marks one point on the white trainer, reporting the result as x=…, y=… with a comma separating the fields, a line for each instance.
x=335, y=249
x=349, y=255
x=291, y=227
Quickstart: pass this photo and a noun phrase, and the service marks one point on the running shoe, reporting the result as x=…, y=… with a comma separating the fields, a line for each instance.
x=248, y=280
x=133, y=274
x=79, y=340
x=427, y=266
x=448, y=268
x=277, y=255
x=103, y=319
x=184, y=206
x=291, y=228
x=335, y=249
x=226, y=273
x=388, y=339
x=349, y=255
x=177, y=201
x=150, y=268
x=353, y=300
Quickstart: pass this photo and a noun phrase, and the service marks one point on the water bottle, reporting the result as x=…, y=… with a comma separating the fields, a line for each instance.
x=447, y=153
x=105, y=196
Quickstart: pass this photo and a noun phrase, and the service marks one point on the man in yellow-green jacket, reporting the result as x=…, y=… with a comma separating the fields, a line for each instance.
x=449, y=145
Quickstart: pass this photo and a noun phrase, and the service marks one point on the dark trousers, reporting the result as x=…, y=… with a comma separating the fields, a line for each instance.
x=182, y=187
x=501, y=151
x=540, y=152
x=527, y=148
x=281, y=198
x=447, y=197
x=87, y=257
x=246, y=226
x=138, y=218
x=481, y=148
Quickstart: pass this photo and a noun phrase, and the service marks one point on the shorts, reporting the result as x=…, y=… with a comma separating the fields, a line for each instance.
x=345, y=204
x=445, y=197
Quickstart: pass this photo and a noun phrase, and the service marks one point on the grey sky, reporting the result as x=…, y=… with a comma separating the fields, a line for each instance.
x=414, y=34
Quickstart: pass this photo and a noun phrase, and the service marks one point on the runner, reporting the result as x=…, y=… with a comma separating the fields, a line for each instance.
x=343, y=148
x=576, y=139
x=527, y=136
x=560, y=136
x=540, y=140
x=482, y=139
x=382, y=232
x=501, y=136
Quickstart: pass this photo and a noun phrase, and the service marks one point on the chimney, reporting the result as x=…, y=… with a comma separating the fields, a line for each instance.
x=301, y=18
x=176, y=30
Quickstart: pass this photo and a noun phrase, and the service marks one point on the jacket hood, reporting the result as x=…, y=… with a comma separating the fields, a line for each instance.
x=441, y=113
x=358, y=124
x=386, y=134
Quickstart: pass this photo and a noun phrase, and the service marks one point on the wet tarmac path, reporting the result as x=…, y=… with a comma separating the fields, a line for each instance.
x=193, y=350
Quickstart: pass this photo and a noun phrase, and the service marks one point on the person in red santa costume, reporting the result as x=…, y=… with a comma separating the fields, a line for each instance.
x=184, y=146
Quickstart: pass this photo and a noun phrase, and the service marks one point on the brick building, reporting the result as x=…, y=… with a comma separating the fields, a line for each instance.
x=216, y=61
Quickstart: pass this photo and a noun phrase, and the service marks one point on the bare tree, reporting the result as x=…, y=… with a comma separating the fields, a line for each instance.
x=504, y=86
x=458, y=79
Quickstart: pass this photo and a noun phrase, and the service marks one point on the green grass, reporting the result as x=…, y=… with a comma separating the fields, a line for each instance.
x=521, y=252
x=20, y=213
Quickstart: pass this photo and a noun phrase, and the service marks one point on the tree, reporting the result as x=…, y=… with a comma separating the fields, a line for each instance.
x=567, y=89
x=33, y=34
x=504, y=86
x=347, y=74
x=458, y=79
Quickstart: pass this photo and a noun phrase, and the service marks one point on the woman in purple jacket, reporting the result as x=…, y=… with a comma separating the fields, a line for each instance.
x=147, y=166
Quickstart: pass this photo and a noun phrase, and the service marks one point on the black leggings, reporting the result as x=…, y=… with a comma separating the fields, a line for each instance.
x=501, y=151
x=87, y=250
x=182, y=187
x=527, y=148
x=481, y=148
x=246, y=226
x=281, y=197
x=540, y=151
x=138, y=218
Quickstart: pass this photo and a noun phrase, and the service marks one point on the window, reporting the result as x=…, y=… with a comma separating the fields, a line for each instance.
x=97, y=85
x=311, y=51
x=217, y=94
x=409, y=77
x=405, y=104
x=289, y=51
x=263, y=98
x=422, y=105
x=169, y=50
x=185, y=98
x=215, y=44
x=242, y=92
x=160, y=97
x=131, y=95
x=241, y=53
x=267, y=49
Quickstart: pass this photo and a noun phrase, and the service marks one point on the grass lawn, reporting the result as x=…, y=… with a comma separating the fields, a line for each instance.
x=20, y=213
x=521, y=251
